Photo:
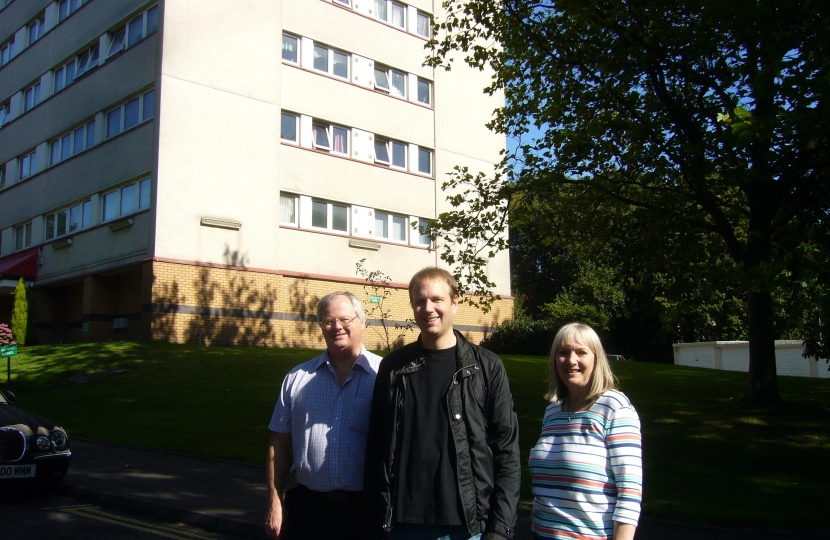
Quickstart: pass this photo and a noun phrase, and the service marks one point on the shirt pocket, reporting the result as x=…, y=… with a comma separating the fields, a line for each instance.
x=359, y=411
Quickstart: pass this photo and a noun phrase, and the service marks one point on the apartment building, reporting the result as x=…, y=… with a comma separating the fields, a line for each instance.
x=203, y=171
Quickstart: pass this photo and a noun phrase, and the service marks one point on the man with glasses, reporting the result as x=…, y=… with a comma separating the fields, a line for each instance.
x=322, y=414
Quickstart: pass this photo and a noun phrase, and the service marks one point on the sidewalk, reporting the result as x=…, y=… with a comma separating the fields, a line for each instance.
x=229, y=497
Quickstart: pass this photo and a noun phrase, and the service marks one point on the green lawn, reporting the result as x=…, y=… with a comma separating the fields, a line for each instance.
x=706, y=459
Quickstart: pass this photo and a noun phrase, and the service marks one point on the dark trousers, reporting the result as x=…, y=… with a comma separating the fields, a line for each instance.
x=315, y=515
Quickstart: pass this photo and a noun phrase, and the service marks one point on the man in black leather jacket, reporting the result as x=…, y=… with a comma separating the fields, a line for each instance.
x=442, y=457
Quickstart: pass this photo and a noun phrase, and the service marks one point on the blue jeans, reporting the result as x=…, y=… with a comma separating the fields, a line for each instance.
x=407, y=531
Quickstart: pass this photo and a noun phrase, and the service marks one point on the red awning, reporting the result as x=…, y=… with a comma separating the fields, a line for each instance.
x=20, y=264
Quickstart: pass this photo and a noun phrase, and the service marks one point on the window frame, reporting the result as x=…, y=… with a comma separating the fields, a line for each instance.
x=330, y=217
x=330, y=52
x=31, y=159
x=390, y=152
x=428, y=84
x=429, y=154
x=34, y=92
x=142, y=116
x=138, y=184
x=422, y=222
x=391, y=219
x=297, y=41
x=428, y=17
x=296, y=202
x=330, y=135
x=25, y=231
x=72, y=135
x=51, y=233
x=70, y=10
x=92, y=61
x=388, y=9
x=388, y=73
x=5, y=113
x=125, y=42
x=39, y=25
x=296, y=117
x=7, y=51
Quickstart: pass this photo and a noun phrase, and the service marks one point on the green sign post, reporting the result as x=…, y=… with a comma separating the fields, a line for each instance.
x=8, y=351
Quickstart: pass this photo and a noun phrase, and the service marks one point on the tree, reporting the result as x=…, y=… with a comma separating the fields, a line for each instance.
x=20, y=314
x=707, y=118
x=377, y=288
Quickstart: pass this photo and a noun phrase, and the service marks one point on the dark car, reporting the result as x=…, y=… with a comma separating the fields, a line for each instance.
x=33, y=451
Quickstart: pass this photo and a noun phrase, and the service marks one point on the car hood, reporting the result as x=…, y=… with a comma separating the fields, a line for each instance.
x=11, y=415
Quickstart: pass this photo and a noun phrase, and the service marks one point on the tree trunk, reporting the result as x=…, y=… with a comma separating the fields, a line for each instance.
x=763, y=379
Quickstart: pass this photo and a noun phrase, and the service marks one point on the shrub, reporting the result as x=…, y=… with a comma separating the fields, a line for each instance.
x=20, y=314
x=522, y=337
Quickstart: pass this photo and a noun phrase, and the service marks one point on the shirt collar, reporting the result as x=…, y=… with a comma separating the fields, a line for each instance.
x=361, y=361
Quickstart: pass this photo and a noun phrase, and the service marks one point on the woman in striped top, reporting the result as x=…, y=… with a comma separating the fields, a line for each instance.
x=587, y=466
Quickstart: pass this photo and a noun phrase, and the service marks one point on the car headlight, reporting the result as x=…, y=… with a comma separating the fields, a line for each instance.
x=59, y=439
x=43, y=442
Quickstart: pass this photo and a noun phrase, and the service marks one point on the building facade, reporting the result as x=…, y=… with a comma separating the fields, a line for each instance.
x=204, y=171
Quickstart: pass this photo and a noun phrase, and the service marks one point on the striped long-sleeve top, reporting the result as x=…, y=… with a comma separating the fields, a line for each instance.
x=587, y=470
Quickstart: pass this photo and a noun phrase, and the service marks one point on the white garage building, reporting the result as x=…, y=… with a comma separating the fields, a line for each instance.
x=734, y=356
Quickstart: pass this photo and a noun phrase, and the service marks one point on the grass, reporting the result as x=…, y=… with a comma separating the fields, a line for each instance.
x=706, y=459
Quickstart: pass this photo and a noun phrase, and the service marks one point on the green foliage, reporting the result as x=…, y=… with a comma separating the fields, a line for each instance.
x=522, y=337
x=707, y=124
x=20, y=313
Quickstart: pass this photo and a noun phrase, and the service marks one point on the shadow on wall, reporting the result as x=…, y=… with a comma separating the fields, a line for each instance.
x=230, y=307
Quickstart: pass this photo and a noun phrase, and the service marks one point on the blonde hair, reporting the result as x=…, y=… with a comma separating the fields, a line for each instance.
x=602, y=379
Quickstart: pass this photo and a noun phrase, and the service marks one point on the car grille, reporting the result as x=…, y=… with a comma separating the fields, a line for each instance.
x=12, y=444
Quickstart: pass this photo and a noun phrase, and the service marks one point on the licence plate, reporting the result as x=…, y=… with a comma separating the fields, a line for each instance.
x=17, y=471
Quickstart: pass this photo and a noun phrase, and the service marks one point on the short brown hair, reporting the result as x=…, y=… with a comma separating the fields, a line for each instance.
x=433, y=273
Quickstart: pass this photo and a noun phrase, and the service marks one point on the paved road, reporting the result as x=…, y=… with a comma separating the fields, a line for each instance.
x=230, y=498
x=57, y=517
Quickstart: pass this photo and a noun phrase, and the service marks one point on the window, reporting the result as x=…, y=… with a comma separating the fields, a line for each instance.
x=126, y=200
x=71, y=143
x=330, y=137
x=391, y=12
x=36, y=29
x=424, y=161
x=384, y=223
x=72, y=70
x=288, y=127
x=68, y=7
x=390, y=80
x=28, y=165
x=290, y=48
x=2, y=177
x=130, y=114
x=390, y=152
x=331, y=61
x=326, y=215
x=5, y=115
x=423, y=228
x=424, y=25
x=288, y=209
x=7, y=52
x=4, y=3
x=23, y=236
x=424, y=91
x=68, y=220
x=134, y=31
x=31, y=97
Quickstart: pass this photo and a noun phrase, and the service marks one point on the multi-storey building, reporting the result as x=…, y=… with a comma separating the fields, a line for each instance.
x=204, y=171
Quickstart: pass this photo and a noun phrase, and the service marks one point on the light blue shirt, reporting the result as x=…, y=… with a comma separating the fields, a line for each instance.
x=328, y=423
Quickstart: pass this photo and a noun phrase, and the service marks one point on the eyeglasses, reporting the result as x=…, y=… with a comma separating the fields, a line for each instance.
x=328, y=324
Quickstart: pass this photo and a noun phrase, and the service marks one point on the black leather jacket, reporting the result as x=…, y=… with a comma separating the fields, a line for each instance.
x=485, y=432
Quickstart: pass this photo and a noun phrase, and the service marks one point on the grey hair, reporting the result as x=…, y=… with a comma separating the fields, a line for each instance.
x=328, y=300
